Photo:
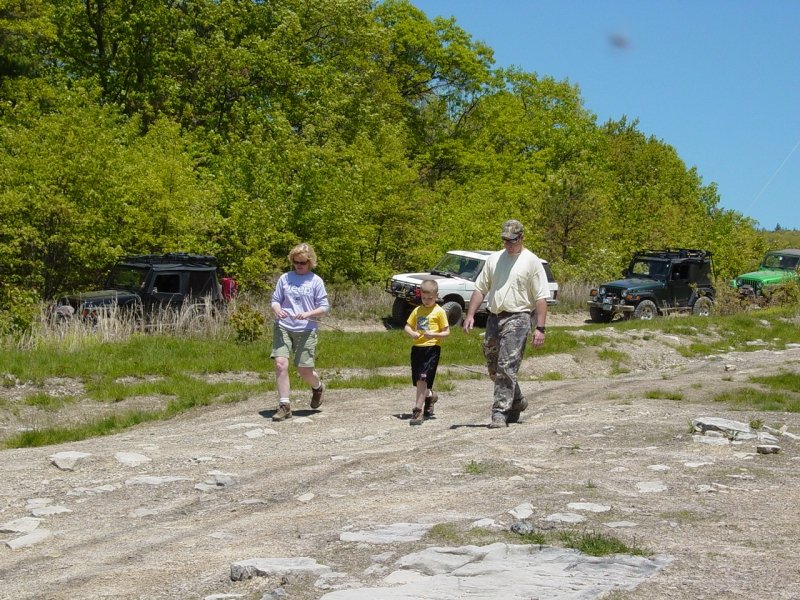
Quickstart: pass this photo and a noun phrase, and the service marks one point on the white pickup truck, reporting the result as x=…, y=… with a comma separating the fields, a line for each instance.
x=456, y=274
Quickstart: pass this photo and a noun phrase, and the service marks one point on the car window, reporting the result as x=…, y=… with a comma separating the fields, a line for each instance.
x=201, y=283
x=680, y=271
x=780, y=261
x=167, y=283
x=126, y=278
x=549, y=272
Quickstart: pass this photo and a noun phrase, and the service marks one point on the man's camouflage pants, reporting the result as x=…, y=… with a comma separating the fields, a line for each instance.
x=503, y=347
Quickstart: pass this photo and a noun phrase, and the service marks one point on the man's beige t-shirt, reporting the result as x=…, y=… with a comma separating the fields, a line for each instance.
x=513, y=283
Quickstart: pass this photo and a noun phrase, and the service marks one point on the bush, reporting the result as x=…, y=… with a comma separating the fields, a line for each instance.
x=728, y=300
x=786, y=294
x=20, y=309
x=247, y=322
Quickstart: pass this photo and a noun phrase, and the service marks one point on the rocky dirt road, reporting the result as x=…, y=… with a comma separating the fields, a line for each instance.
x=163, y=510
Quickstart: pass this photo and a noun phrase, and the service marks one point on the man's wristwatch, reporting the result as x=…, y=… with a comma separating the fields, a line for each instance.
x=540, y=328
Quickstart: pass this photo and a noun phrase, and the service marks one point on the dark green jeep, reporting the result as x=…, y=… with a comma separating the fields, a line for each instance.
x=657, y=282
x=778, y=266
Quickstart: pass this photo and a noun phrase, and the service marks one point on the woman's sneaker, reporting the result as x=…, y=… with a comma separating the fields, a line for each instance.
x=284, y=412
x=429, y=402
x=316, y=395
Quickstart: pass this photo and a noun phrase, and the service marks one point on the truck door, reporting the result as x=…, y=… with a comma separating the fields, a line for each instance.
x=166, y=289
x=679, y=284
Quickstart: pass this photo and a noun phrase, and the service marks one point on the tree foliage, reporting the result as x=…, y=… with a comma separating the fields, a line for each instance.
x=241, y=127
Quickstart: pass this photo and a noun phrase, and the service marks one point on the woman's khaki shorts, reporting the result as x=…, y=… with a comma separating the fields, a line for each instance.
x=301, y=344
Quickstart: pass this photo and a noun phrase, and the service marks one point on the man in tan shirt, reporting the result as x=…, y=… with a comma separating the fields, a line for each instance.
x=514, y=283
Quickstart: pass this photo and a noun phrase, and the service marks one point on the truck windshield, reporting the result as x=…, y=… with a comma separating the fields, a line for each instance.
x=780, y=261
x=126, y=278
x=654, y=269
x=459, y=266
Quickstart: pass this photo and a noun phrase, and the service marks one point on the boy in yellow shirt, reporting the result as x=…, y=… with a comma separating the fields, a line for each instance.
x=426, y=325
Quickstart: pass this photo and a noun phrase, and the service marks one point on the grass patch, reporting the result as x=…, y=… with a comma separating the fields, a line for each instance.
x=588, y=542
x=534, y=538
x=599, y=544
x=376, y=381
x=595, y=340
x=60, y=435
x=683, y=517
x=493, y=468
x=748, y=397
x=617, y=359
x=782, y=381
x=156, y=354
x=735, y=331
x=47, y=402
x=616, y=356
x=475, y=468
x=551, y=376
x=452, y=534
x=663, y=395
x=184, y=393
x=161, y=363
x=445, y=533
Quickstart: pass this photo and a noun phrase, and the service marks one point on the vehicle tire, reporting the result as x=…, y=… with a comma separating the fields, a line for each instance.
x=702, y=306
x=454, y=312
x=400, y=311
x=645, y=311
x=599, y=315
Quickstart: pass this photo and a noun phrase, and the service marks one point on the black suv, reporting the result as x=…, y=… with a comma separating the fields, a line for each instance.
x=148, y=282
x=657, y=282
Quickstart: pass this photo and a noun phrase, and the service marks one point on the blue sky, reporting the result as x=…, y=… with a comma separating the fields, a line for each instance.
x=719, y=80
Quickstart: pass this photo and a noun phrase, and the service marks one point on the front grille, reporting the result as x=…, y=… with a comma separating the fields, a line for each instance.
x=753, y=283
x=614, y=291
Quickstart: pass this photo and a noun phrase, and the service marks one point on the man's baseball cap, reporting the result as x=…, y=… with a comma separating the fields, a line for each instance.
x=512, y=229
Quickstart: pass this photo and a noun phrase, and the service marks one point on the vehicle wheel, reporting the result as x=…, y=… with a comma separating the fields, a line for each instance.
x=702, y=306
x=645, y=311
x=454, y=312
x=600, y=316
x=400, y=311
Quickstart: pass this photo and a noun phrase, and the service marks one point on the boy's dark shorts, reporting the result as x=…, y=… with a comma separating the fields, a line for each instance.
x=424, y=361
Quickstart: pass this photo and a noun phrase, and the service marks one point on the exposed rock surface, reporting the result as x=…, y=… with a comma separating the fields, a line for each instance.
x=349, y=496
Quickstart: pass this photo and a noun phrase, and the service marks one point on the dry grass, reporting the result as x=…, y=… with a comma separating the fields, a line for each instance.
x=201, y=319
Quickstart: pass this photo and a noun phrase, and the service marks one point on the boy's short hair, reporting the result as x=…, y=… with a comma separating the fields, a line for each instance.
x=429, y=285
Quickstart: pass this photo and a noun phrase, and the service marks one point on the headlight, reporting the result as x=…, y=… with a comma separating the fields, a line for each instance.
x=602, y=290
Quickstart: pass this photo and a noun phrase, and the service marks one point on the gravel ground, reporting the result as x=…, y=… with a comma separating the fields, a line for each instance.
x=726, y=514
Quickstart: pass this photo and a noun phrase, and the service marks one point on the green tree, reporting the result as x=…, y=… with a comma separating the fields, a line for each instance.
x=25, y=27
x=81, y=188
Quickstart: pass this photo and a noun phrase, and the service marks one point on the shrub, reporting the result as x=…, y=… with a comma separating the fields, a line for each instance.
x=20, y=309
x=786, y=294
x=247, y=322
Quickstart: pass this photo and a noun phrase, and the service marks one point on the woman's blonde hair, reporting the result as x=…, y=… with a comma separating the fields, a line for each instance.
x=303, y=252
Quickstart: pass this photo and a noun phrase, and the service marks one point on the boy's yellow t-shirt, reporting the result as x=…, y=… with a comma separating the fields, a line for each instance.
x=432, y=319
